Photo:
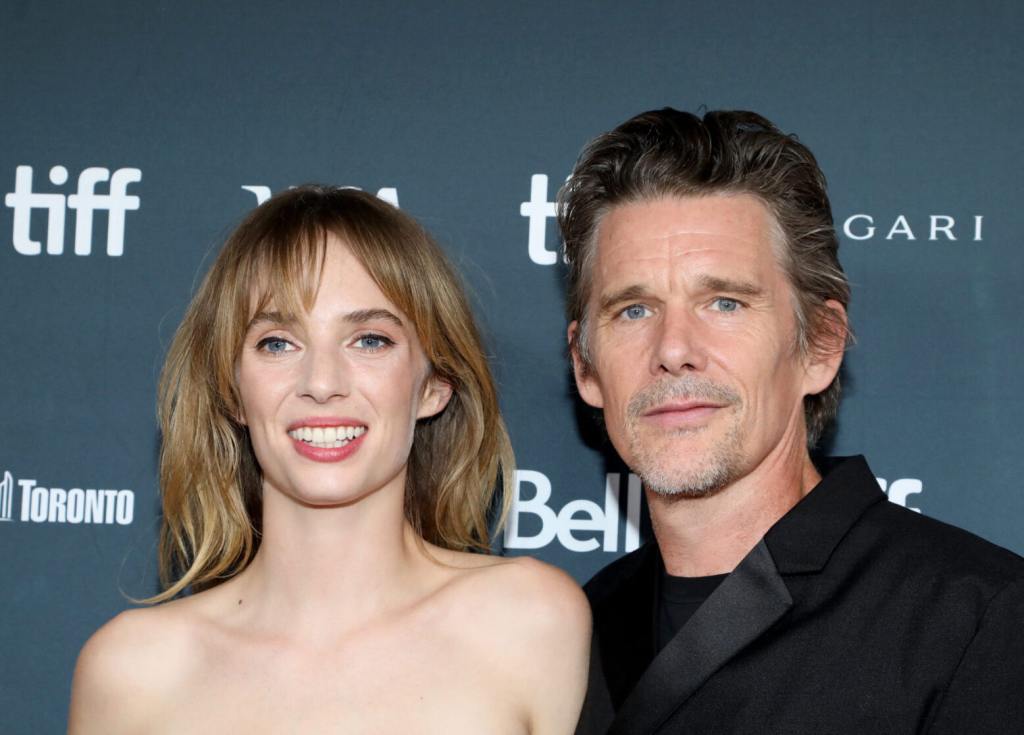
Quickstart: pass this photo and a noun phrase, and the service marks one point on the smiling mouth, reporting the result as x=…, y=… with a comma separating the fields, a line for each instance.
x=327, y=437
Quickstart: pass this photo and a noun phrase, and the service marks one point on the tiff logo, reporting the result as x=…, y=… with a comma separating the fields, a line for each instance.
x=116, y=202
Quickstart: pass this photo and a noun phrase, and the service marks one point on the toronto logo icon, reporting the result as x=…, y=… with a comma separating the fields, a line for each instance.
x=6, y=496
x=75, y=505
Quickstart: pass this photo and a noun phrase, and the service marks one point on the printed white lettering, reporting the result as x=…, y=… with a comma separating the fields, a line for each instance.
x=116, y=203
x=40, y=501
x=901, y=227
x=862, y=227
x=76, y=505
x=93, y=507
x=57, y=499
x=125, y=507
x=6, y=496
x=633, y=495
x=568, y=522
x=946, y=228
x=577, y=515
x=900, y=490
x=537, y=211
x=23, y=200
x=869, y=231
x=537, y=505
x=26, y=495
x=56, y=505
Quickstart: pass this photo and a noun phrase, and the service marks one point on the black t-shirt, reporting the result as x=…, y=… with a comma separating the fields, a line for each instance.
x=678, y=599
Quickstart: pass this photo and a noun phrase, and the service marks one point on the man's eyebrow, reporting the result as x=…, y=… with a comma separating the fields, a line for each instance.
x=740, y=288
x=635, y=292
x=361, y=316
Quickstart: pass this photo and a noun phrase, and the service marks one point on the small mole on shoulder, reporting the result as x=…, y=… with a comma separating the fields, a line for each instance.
x=239, y=600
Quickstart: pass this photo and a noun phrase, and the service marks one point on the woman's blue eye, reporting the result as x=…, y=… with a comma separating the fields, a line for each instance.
x=273, y=345
x=373, y=342
x=635, y=311
x=725, y=304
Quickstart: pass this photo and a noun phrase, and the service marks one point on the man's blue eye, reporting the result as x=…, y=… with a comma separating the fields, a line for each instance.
x=727, y=304
x=636, y=311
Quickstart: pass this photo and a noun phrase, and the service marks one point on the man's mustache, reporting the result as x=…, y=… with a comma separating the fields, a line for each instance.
x=685, y=388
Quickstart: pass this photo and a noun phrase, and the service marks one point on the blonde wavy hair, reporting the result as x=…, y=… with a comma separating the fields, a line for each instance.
x=210, y=479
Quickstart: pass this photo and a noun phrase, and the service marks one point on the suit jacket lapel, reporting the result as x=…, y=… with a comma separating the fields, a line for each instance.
x=747, y=603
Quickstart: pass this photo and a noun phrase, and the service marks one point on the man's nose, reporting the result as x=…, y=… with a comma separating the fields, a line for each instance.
x=680, y=343
x=325, y=375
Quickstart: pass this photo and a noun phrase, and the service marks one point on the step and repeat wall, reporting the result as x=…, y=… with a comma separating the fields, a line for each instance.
x=135, y=136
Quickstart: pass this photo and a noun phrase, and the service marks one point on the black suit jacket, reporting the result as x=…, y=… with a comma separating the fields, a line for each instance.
x=852, y=615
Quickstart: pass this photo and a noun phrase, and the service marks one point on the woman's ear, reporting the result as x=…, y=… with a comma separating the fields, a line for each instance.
x=436, y=394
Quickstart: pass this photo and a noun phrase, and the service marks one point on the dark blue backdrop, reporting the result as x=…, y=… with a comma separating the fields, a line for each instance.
x=168, y=118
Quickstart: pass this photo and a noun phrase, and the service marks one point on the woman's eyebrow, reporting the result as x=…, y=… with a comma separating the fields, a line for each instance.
x=272, y=317
x=361, y=316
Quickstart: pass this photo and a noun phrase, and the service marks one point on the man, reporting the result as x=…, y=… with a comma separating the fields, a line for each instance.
x=708, y=323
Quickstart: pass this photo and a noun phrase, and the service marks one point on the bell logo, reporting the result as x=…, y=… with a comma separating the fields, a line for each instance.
x=576, y=517
x=85, y=201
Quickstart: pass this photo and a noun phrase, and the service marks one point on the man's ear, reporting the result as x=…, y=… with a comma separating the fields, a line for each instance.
x=826, y=355
x=436, y=394
x=586, y=381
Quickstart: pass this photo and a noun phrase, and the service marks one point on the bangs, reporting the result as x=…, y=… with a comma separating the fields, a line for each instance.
x=284, y=273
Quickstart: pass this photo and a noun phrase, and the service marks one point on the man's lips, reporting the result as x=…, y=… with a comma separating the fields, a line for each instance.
x=681, y=414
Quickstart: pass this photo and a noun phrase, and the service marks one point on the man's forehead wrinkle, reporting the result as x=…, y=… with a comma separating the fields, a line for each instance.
x=671, y=249
x=618, y=264
x=683, y=239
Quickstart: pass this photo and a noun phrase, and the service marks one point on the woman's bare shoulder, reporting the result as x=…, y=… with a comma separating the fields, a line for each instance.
x=127, y=668
x=536, y=620
x=530, y=583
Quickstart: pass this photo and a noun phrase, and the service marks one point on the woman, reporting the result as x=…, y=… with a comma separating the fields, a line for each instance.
x=331, y=438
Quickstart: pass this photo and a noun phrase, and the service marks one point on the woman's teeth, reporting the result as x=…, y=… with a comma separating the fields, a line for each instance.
x=327, y=437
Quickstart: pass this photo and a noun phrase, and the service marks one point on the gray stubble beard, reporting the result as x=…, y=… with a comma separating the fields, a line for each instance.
x=720, y=468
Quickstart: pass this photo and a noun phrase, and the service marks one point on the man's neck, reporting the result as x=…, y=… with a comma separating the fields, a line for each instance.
x=698, y=537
